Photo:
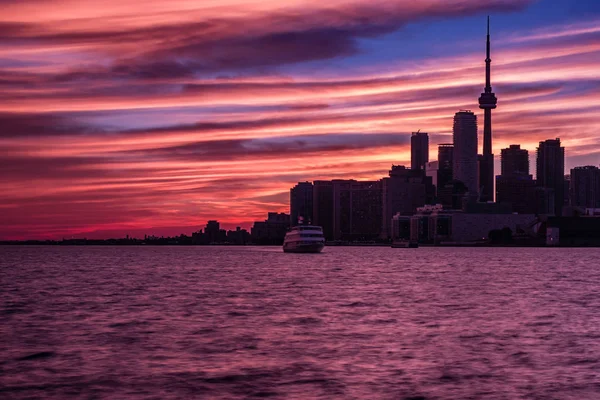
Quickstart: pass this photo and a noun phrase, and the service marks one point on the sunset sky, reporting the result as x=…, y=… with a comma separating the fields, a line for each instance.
x=121, y=117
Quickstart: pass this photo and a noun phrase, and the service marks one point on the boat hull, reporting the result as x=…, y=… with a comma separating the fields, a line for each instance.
x=303, y=248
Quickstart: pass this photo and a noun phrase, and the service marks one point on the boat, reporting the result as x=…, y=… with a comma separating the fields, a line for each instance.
x=404, y=244
x=304, y=239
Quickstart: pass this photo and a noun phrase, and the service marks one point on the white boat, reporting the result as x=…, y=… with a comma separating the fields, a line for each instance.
x=304, y=239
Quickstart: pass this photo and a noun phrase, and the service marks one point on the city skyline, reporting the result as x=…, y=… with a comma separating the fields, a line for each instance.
x=97, y=151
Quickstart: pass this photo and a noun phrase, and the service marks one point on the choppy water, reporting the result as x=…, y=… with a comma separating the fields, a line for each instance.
x=243, y=322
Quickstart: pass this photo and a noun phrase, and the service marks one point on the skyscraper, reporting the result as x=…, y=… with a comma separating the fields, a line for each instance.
x=402, y=192
x=585, y=187
x=419, y=150
x=357, y=208
x=514, y=160
x=515, y=186
x=445, y=165
x=323, y=207
x=301, y=203
x=550, y=171
x=487, y=102
x=431, y=170
x=464, y=135
x=445, y=155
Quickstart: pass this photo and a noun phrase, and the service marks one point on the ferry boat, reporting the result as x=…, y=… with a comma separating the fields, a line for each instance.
x=304, y=239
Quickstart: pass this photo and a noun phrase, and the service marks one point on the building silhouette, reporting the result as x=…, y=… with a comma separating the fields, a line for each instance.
x=567, y=190
x=431, y=170
x=419, y=150
x=239, y=236
x=301, y=203
x=519, y=190
x=550, y=172
x=585, y=187
x=323, y=207
x=357, y=209
x=514, y=160
x=487, y=102
x=213, y=232
x=464, y=135
x=402, y=192
x=451, y=195
x=271, y=231
x=515, y=186
x=445, y=165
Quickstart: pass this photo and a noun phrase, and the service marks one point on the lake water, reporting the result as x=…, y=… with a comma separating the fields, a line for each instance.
x=252, y=322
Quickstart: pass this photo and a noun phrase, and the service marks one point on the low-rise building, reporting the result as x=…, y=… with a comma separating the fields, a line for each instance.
x=438, y=226
x=271, y=231
x=573, y=231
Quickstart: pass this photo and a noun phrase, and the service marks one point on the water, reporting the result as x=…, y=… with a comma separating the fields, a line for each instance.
x=352, y=323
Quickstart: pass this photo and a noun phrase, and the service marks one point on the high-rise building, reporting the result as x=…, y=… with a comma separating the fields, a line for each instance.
x=301, y=203
x=419, y=150
x=445, y=165
x=357, y=209
x=550, y=171
x=514, y=160
x=451, y=195
x=515, y=186
x=567, y=190
x=487, y=102
x=403, y=191
x=431, y=170
x=323, y=207
x=518, y=190
x=445, y=155
x=464, y=135
x=585, y=187
x=212, y=230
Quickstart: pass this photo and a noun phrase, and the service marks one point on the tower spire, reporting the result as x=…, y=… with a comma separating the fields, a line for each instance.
x=487, y=102
x=488, y=60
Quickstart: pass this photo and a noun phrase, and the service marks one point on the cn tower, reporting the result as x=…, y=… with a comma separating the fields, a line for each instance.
x=487, y=102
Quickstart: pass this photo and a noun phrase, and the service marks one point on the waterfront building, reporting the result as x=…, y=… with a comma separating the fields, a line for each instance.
x=239, y=236
x=585, y=187
x=357, y=209
x=550, y=171
x=323, y=207
x=402, y=192
x=419, y=150
x=518, y=190
x=438, y=226
x=464, y=135
x=212, y=232
x=573, y=231
x=271, y=231
x=400, y=227
x=301, y=203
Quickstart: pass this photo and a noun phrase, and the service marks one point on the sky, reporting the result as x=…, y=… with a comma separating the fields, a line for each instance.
x=151, y=117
